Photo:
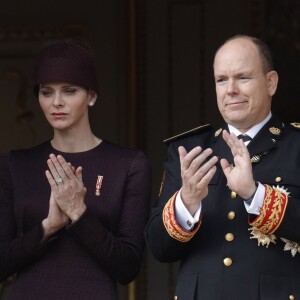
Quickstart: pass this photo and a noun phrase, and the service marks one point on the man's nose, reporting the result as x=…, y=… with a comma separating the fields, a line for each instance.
x=232, y=87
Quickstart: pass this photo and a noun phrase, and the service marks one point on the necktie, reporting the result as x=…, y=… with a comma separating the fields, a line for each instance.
x=244, y=137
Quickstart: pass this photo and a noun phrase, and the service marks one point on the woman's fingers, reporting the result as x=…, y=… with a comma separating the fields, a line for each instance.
x=51, y=180
x=60, y=169
x=64, y=167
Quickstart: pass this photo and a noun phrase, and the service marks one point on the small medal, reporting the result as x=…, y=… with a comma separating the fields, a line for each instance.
x=274, y=130
x=255, y=158
x=98, y=185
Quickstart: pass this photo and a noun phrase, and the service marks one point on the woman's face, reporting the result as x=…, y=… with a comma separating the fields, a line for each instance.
x=65, y=105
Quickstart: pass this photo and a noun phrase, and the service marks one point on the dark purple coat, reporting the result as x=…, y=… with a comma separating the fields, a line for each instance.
x=87, y=259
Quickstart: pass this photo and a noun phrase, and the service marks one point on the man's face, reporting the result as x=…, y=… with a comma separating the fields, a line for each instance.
x=244, y=91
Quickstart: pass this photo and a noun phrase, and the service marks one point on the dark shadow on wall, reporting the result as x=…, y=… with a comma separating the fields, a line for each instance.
x=282, y=34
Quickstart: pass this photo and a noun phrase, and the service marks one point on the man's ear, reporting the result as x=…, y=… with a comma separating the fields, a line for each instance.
x=272, y=81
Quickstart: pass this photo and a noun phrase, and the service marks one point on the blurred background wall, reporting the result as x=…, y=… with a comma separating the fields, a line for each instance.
x=154, y=61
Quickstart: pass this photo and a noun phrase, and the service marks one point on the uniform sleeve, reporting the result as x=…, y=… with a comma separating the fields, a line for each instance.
x=279, y=215
x=16, y=251
x=167, y=240
x=120, y=254
x=289, y=227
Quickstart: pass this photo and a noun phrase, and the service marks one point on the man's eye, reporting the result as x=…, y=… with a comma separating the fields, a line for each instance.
x=221, y=80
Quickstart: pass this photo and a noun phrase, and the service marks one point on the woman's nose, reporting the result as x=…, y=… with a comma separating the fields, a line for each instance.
x=58, y=101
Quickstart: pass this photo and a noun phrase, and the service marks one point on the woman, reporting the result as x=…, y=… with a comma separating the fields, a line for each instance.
x=76, y=229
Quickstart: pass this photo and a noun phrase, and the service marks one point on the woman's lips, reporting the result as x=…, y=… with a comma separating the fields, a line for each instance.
x=58, y=115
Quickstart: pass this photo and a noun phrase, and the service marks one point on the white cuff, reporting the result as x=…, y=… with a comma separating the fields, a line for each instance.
x=254, y=206
x=183, y=216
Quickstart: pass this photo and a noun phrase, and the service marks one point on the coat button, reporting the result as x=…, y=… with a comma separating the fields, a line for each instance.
x=227, y=261
x=175, y=298
x=291, y=297
x=189, y=223
x=229, y=237
x=233, y=195
x=231, y=215
x=278, y=179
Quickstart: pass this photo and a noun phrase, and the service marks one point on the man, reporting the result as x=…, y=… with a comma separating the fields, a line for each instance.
x=229, y=209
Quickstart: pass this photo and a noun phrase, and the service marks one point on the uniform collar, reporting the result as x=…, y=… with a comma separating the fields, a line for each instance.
x=253, y=130
x=263, y=141
x=267, y=137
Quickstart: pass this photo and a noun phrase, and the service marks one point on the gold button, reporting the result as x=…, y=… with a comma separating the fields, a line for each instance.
x=291, y=297
x=233, y=194
x=231, y=215
x=227, y=261
x=175, y=298
x=229, y=237
x=278, y=179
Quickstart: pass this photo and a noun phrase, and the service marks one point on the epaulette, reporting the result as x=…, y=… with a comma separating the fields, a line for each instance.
x=295, y=125
x=201, y=128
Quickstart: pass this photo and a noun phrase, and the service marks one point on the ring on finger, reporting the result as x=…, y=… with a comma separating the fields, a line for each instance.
x=58, y=179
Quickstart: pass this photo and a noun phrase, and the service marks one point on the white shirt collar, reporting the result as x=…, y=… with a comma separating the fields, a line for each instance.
x=253, y=130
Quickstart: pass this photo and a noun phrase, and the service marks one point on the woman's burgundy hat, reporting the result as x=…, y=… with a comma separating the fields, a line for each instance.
x=65, y=61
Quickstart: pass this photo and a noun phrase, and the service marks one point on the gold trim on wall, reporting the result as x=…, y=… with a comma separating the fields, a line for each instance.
x=38, y=32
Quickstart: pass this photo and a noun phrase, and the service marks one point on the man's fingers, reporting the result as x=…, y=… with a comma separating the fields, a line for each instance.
x=182, y=151
x=208, y=176
x=225, y=167
x=236, y=146
x=194, y=158
x=187, y=157
x=205, y=168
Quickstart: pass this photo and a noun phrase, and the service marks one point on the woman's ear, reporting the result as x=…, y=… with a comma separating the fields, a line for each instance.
x=92, y=97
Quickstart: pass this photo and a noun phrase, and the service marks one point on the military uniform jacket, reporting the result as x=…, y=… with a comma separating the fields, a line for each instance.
x=221, y=258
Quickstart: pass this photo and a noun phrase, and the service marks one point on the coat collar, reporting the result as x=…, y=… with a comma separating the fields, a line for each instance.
x=265, y=140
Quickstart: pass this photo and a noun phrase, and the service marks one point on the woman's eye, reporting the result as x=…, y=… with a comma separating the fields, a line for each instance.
x=45, y=93
x=70, y=91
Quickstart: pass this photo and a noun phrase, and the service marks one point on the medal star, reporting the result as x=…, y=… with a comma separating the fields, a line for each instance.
x=291, y=246
x=281, y=189
x=262, y=239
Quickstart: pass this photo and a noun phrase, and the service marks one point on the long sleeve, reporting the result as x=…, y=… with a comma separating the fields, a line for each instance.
x=16, y=251
x=280, y=212
x=120, y=253
x=164, y=247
